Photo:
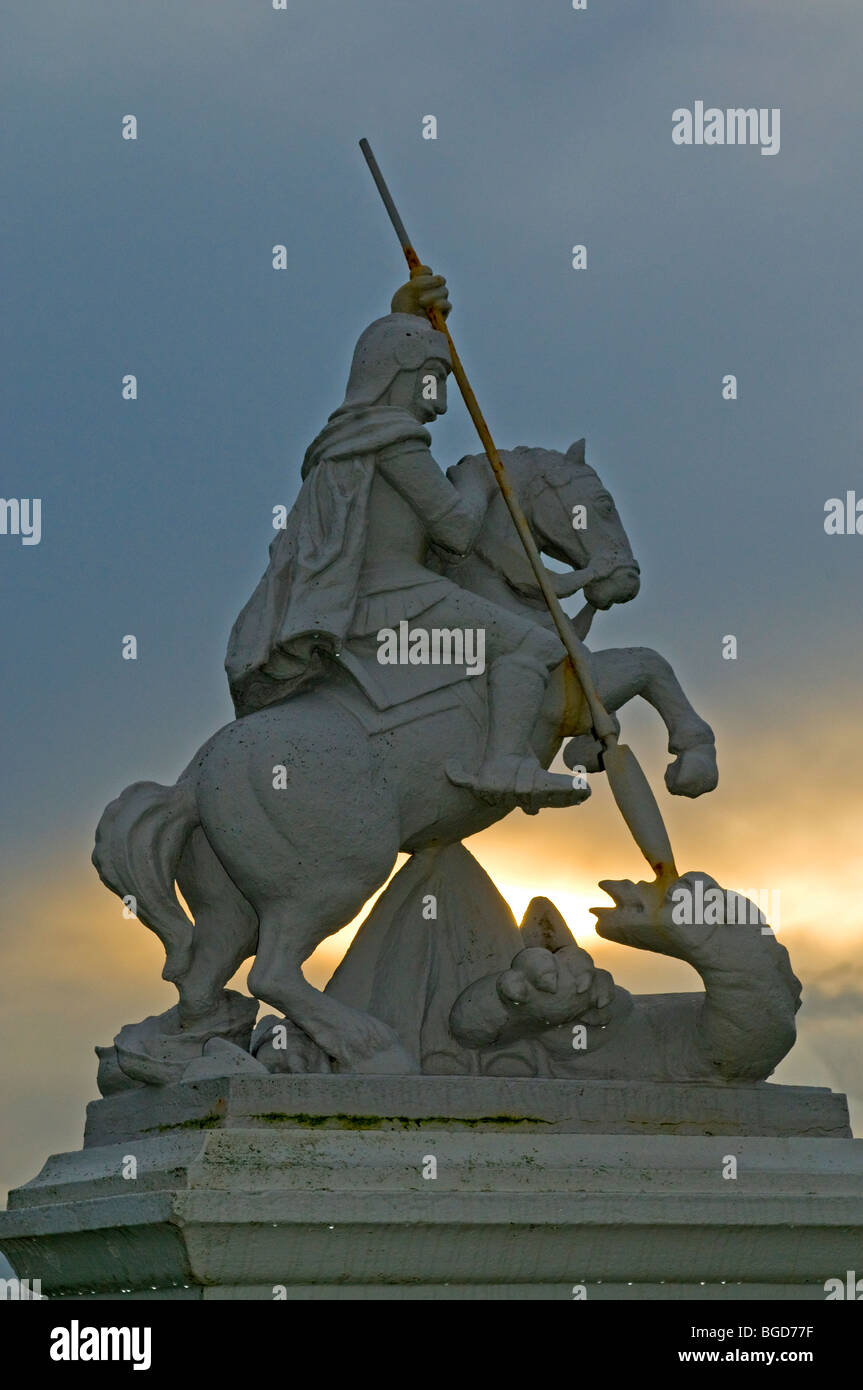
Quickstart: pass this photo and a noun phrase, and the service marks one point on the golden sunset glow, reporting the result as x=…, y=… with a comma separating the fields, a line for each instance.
x=772, y=824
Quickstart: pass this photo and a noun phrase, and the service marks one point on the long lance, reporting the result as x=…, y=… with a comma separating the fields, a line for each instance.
x=629, y=786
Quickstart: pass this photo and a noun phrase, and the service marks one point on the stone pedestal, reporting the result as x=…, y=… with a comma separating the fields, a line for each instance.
x=311, y=1187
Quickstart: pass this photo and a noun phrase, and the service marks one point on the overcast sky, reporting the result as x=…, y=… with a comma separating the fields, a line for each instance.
x=153, y=257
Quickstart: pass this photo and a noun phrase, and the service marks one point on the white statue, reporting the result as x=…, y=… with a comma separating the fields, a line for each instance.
x=289, y=818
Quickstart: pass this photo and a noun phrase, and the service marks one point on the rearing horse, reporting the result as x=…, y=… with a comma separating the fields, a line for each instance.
x=272, y=870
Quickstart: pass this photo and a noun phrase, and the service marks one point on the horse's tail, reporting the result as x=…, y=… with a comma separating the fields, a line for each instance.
x=139, y=843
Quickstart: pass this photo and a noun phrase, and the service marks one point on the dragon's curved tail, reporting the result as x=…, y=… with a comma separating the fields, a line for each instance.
x=139, y=842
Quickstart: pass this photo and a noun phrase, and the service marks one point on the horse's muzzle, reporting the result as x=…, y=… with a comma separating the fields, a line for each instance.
x=618, y=587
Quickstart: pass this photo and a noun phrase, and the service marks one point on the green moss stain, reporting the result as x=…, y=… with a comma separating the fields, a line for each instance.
x=343, y=1121
x=212, y=1121
x=360, y=1122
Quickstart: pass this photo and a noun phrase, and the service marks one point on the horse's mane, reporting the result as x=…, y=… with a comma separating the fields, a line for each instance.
x=528, y=467
x=526, y=462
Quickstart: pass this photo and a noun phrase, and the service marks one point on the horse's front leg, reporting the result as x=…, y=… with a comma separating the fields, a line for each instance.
x=621, y=673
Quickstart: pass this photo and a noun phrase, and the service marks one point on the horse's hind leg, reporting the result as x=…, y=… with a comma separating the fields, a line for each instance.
x=289, y=931
x=306, y=849
x=226, y=929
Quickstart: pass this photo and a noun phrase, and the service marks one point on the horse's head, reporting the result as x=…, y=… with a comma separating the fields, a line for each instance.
x=574, y=521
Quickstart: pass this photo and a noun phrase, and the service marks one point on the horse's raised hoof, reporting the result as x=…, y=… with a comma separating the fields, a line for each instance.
x=693, y=771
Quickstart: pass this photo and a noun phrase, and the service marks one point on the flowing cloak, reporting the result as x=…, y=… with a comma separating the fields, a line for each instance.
x=303, y=607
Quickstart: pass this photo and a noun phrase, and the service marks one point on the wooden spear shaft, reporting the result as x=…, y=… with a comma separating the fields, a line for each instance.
x=629, y=786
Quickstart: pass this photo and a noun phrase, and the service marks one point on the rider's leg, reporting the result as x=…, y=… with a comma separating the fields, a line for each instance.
x=522, y=655
x=517, y=683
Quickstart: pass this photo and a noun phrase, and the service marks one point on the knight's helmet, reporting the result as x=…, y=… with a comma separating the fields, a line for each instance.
x=396, y=343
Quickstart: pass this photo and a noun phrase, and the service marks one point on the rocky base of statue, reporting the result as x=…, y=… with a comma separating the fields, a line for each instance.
x=344, y=1187
x=454, y=987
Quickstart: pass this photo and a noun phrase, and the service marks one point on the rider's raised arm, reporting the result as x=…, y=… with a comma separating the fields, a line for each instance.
x=452, y=512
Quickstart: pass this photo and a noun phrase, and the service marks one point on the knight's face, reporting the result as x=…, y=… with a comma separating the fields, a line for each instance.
x=422, y=393
x=430, y=391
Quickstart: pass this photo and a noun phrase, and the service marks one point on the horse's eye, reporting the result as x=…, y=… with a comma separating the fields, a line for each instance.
x=604, y=506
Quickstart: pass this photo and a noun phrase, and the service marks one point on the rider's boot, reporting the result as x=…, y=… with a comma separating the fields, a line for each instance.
x=510, y=770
